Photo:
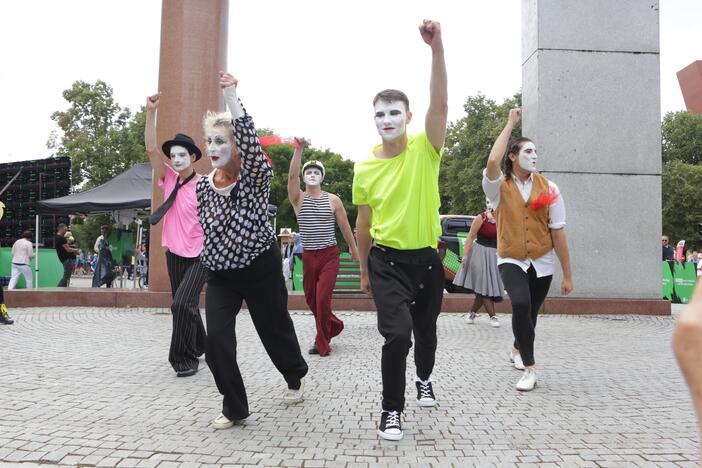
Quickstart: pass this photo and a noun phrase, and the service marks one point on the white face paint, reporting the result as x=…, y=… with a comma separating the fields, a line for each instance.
x=219, y=148
x=180, y=158
x=390, y=119
x=312, y=176
x=527, y=157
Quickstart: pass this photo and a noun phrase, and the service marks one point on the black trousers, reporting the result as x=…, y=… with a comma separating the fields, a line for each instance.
x=408, y=286
x=262, y=286
x=527, y=293
x=68, y=266
x=188, y=336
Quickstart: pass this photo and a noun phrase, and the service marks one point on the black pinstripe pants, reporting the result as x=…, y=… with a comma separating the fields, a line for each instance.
x=188, y=337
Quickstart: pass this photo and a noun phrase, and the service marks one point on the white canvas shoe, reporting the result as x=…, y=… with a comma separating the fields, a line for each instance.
x=494, y=323
x=516, y=358
x=292, y=397
x=222, y=422
x=470, y=318
x=528, y=380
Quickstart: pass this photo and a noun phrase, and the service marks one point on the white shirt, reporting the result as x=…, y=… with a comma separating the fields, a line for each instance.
x=22, y=251
x=545, y=264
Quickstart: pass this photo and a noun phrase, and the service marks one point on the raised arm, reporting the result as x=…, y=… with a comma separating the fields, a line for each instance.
x=437, y=114
x=294, y=192
x=472, y=235
x=500, y=146
x=343, y=221
x=155, y=156
x=254, y=163
x=363, y=225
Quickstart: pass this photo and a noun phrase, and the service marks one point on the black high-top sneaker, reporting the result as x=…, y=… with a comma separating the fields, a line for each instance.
x=425, y=393
x=389, y=427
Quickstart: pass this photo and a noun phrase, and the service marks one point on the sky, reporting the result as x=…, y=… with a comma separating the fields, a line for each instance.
x=307, y=68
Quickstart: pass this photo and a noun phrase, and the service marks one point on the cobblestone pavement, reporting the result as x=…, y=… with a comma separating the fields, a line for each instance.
x=92, y=386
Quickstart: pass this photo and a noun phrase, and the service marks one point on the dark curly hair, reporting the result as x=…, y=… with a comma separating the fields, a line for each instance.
x=513, y=148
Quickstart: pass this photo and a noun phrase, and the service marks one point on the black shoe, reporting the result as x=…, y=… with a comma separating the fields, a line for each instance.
x=389, y=427
x=4, y=316
x=425, y=394
x=313, y=349
x=187, y=372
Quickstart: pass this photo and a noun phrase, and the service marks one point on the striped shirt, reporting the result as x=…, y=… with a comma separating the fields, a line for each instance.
x=317, y=223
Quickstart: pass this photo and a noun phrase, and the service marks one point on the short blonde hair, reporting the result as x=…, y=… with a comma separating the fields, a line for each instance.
x=216, y=119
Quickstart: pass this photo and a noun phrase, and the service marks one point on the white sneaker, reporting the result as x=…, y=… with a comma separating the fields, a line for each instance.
x=292, y=397
x=516, y=358
x=494, y=323
x=222, y=422
x=528, y=380
x=470, y=318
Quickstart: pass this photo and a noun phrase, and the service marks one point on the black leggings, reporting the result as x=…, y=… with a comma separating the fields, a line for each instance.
x=527, y=293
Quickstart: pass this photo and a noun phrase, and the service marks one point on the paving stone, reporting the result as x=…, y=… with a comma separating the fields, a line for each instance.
x=107, y=396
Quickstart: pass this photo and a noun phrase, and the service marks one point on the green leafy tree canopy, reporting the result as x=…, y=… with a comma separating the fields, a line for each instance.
x=101, y=138
x=681, y=137
x=468, y=144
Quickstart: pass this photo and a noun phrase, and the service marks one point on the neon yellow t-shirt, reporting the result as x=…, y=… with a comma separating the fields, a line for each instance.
x=403, y=194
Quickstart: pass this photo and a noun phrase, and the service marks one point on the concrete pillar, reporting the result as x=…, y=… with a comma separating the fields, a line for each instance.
x=193, y=50
x=591, y=102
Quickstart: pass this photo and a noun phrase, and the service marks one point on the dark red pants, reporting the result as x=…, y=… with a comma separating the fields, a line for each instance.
x=320, y=268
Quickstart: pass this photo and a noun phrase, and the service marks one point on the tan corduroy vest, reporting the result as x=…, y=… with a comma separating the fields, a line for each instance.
x=522, y=232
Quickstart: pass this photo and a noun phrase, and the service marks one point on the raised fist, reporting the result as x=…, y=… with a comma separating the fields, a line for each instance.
x=227, y=79
x=514, y=115
x=153, y=101
x=301, y=142
x=431, y=32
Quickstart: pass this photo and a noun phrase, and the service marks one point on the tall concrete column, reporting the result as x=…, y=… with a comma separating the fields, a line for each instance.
x=591, y=102
x=193, y=50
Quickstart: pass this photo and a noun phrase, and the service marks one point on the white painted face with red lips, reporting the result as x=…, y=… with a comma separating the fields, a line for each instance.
x=390, y=119
x=219, y=148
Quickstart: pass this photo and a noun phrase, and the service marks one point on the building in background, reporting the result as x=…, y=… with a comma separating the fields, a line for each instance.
x=690, y=79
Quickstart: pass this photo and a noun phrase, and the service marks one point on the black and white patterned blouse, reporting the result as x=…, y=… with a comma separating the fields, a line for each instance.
x=236, y=224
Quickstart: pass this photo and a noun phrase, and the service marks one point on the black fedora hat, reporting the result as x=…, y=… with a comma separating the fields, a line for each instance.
x=182, y=140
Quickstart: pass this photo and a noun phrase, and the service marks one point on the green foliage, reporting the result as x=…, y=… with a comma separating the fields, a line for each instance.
x=338, y=180
x=102, y=138
x=681, y=134
x=468, y=144
x=682, y=210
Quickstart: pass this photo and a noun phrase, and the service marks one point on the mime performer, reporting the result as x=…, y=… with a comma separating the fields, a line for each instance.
x=243, y=258
x=181, y=236
x=318, y=213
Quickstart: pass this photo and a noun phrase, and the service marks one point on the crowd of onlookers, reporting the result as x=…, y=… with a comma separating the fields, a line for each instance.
x=75, y=261
x=691, y=256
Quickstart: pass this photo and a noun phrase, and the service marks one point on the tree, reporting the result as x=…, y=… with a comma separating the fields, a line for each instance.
x=681, y=137
x=101, y=138
x=468, y=144
x=682, y=210
x=337, y=180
